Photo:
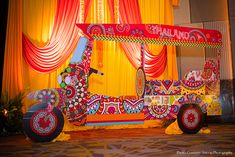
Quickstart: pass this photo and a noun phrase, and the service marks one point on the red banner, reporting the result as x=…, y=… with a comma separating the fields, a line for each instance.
x=153, y=33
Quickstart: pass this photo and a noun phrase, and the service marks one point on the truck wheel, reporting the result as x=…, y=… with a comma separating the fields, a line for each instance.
x=42, y=126
x=190, y=118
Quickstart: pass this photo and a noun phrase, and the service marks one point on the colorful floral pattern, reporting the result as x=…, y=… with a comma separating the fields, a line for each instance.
x=160, y=107
x=189, y=87
x=162, y=87
x=192, y=99
x=133, y=105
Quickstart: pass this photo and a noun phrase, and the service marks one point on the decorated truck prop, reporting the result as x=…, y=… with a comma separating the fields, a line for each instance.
x=188, y=100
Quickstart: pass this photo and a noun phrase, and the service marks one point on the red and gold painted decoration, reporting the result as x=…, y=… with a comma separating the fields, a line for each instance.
x=75, y=85
x=210, y=71
x=168, y=106
x=214, y=107
x=162, y=87
x=190, y=87
x=99, y=104
x=193, y=75
x=153, y=34
x=193, y=99
x=53, y=97
x=213, y=88
x=160, y=107
x=105, y=110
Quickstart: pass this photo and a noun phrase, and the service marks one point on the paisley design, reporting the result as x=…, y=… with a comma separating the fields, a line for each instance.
x=210, y=71
x=197, y=35
x=70, y=92
x=163, y=87
x=100, y=104
x=96, y=29
x=110, y=31
x=75, y=108
x=159, y=111
x=137, y=33
x=192, y=87
x=192, y=99
x=150, y=29
x=181, y=100
x=159, y=107
x=122, y=27
x=192, y=84
x=93, y=104
x=133, y=106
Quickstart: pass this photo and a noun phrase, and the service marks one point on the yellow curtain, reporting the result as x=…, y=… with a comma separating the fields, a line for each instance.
x=12, y=81
x=38, y=20
x=119, y=78
x=35, y=18
x=119, y=74
x=161, y=12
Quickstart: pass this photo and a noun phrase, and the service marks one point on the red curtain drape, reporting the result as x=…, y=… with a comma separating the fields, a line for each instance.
x=63, y=40
x=130, y=13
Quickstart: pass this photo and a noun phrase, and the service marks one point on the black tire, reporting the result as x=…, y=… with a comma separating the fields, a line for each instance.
x=190, y=118
x=39, y=129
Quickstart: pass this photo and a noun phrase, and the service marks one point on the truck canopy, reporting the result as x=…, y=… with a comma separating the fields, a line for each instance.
x=153, y=34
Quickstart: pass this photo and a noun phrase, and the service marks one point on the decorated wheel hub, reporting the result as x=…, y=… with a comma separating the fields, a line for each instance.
x=43, y=123
x=191, y=118
x=47, y=96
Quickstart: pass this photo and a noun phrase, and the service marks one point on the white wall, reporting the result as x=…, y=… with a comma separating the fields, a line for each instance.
x=209, y=14
x=182, y=13
x=190, y=58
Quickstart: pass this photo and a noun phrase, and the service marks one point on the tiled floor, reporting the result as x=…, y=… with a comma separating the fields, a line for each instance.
x=127, y=143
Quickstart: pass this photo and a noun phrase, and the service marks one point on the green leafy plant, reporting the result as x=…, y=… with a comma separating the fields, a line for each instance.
x=11, y=114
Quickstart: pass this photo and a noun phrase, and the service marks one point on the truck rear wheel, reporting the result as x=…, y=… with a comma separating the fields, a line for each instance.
x=190, y=118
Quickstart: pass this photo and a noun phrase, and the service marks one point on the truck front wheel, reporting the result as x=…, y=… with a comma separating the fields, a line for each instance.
x=41, y=125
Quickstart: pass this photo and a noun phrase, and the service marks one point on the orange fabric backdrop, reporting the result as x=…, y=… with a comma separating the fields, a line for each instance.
x=36, y=18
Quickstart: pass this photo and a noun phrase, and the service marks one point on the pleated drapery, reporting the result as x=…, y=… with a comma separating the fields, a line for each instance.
x=48, y=43
x=12, y=81
x=64, y=38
